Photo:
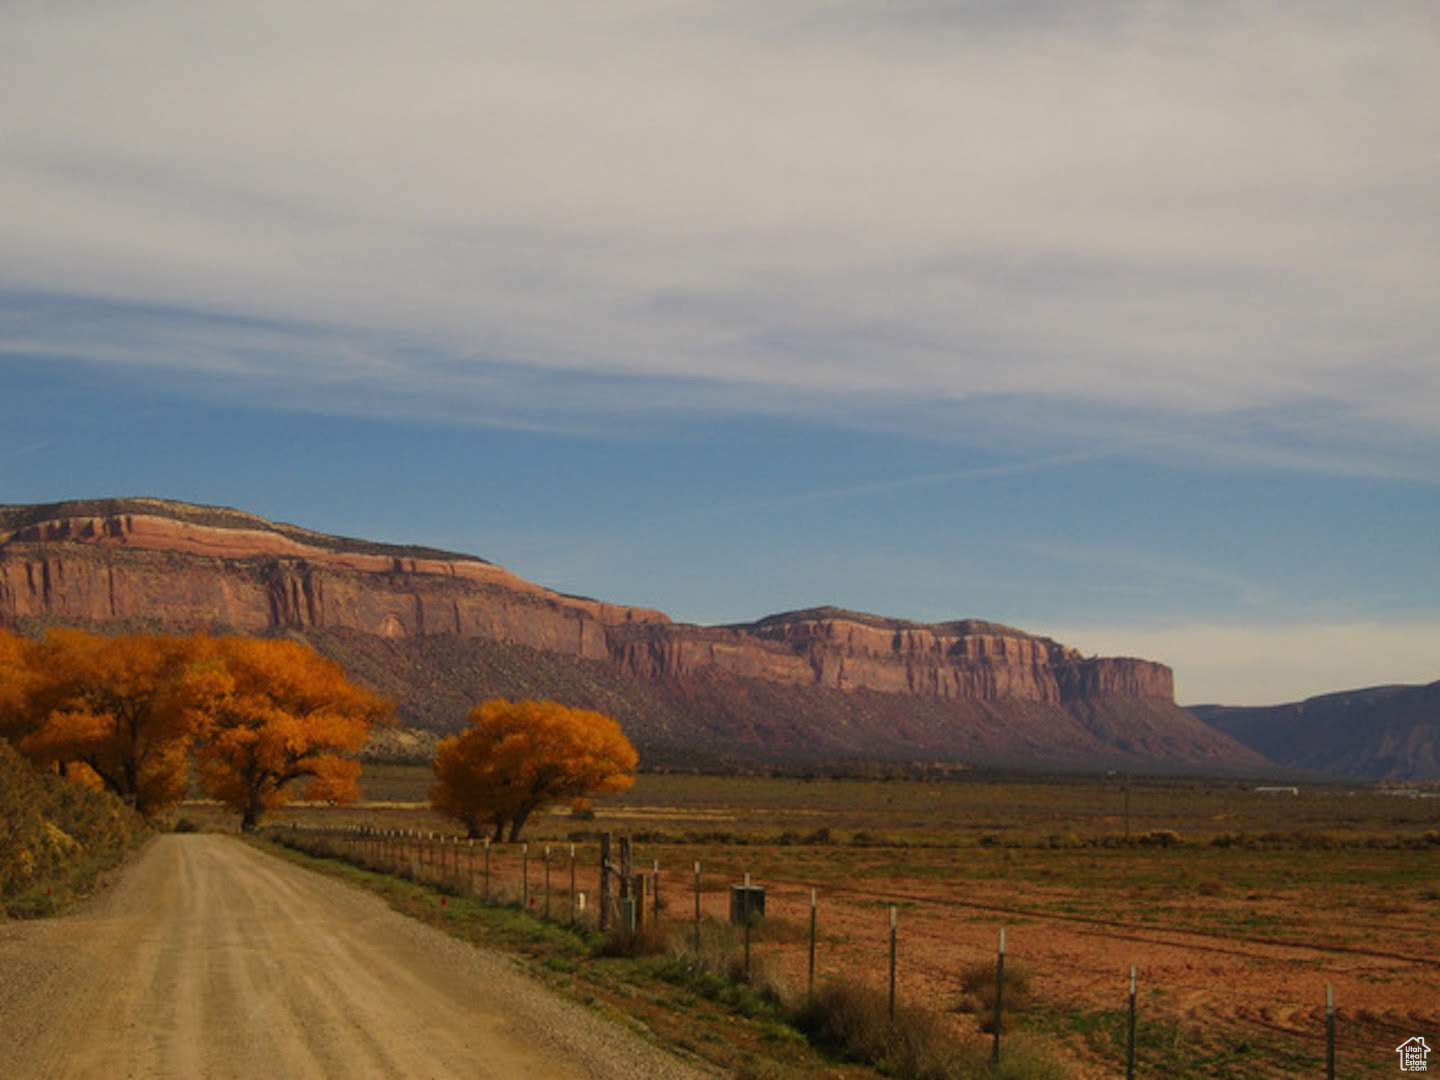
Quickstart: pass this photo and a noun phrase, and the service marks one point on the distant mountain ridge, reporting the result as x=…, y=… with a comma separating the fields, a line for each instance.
x=438, y=630
x=1377, y=733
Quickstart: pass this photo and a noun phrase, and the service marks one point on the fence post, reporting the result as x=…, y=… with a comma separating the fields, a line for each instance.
x=1130, y=1038
x=572, y=884
x=547, y=882
x=603, y=900
x=999, y=995
x=487, y=869
x=470, y=861
x=1127, y=807
x=894, y=923
x=628, y=915
x=1329, y=1032
x=810, y=980
x=748, y=921
x=656, y=883
x=525, y=877
x=697, y=911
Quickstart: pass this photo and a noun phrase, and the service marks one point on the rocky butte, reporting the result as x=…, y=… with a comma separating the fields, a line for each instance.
x=437, y=631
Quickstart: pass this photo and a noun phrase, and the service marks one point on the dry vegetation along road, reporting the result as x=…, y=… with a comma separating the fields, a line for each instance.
x=211, y=959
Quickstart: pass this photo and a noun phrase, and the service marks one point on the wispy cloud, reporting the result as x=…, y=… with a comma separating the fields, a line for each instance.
x=1169, y=211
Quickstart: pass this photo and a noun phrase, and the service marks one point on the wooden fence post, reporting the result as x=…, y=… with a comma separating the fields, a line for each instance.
x=547, y=882
x=487, y=869
x=572, y=884
x=603, y=900
x=637, y=903
x=656, y=884
x=627, y=886
x=525, y=877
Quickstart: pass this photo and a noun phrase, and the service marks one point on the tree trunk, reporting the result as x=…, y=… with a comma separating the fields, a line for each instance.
x=251, y=816
x=518, y=824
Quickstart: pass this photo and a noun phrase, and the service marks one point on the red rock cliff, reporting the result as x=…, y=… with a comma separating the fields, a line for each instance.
x=848, y=651
x=147, y=565
x=196, y=567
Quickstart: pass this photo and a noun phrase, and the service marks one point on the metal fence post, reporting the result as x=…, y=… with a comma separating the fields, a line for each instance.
x=999, y=995
x=810, y=980
x=1330, y=1032
x=748, y=920
x=1130, y=1038
x=894, y=926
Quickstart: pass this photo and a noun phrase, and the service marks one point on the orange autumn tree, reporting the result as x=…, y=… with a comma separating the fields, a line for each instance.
x=17, y=679
x=278, y=712
x=119, y=709
x=519, y=756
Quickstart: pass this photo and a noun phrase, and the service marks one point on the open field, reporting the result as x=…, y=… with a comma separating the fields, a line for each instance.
x=1237, y=907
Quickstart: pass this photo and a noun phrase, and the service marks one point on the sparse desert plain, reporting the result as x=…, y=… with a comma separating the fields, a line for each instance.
x=1236, y=907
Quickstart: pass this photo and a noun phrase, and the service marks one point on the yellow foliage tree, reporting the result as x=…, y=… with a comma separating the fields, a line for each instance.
x=120, y=706
x=277, y=712
x=17, y=679
x=519, y=756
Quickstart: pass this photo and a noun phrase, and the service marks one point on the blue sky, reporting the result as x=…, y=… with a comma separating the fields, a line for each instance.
x=1114, y=321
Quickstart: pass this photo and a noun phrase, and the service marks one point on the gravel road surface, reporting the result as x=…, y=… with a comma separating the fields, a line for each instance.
x=212, y=959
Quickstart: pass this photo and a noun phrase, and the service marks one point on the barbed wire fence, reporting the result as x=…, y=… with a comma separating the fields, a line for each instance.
x=594, y=886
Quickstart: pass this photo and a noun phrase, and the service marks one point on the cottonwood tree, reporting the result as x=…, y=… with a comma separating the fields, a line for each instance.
x=278, y=712
x=519, y=756
x=119, y=709
x=17, y=678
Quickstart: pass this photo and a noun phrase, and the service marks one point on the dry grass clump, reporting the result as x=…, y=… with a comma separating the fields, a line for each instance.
x=648, y=939
x=721, y=955
x=854, y=1022
x=977, y=991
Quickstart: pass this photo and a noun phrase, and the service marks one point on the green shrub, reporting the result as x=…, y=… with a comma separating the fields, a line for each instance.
x=56, y=836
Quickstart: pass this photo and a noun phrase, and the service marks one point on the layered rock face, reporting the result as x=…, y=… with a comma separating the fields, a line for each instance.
x=842, y=650
x=136, y=560
x=184, y=567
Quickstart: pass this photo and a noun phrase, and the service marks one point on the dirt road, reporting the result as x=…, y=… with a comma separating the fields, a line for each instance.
x=211, y=959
